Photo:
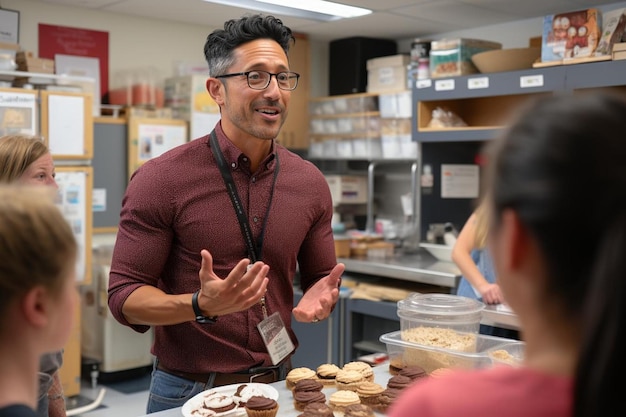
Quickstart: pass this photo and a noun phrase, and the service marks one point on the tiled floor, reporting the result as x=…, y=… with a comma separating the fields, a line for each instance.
x=127, y=398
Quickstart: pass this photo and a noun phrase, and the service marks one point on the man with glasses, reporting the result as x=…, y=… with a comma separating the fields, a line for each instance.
x=211, y=232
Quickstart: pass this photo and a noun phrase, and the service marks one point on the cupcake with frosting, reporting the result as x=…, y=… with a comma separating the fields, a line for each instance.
x=399, y=382
x=258, y=406
x=368, y=392
x=296, y=374
x=363, y=367
x=317, y=410
x=348, y=380
x=326, y=373
x=302, y=398
x=358, y=410
x=339, y=400
x=385, y=399
x=413, y=371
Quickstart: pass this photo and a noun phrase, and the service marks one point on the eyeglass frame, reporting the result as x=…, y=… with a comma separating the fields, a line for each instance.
x=269, y=80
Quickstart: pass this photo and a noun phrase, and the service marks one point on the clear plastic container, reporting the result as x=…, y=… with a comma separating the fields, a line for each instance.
x=487, y=351
x=461, y=314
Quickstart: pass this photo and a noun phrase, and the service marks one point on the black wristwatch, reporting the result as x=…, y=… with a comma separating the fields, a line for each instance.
x=200, y=318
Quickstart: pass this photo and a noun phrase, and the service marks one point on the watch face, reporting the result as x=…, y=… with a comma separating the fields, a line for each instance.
x=204, y=320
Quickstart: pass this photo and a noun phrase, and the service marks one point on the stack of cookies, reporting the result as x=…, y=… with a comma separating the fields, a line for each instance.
x=307, y=391
x=356, y=393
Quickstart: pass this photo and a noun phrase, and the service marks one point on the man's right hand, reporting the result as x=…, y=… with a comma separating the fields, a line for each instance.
x=241, y=289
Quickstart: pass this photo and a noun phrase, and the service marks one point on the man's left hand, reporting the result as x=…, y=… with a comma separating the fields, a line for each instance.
x=318, y=301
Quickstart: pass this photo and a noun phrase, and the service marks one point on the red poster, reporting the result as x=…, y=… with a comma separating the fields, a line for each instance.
x=78, y=42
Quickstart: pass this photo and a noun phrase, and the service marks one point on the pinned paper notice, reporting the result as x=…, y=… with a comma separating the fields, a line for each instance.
x=459, y=181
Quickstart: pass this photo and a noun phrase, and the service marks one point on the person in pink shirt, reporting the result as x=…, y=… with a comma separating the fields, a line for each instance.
x=557, y=195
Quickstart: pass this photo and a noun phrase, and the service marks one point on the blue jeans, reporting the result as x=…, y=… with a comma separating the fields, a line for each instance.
x=170, y=391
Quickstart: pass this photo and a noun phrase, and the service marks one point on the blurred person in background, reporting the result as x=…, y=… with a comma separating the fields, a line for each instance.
x=27, y=160
x=478, y=280
x=37, y=292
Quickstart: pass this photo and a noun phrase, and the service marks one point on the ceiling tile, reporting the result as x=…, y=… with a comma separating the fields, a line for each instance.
x=525, y=8
x=455, y=13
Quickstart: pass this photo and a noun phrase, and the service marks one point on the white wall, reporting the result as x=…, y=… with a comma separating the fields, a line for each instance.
x=133, y=41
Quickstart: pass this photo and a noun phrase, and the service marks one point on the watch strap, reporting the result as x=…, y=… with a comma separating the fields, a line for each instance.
x=200, y=318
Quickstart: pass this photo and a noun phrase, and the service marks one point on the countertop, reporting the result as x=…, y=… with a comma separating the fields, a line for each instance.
x=419, y=266
x=285, y=398
x=424, y=268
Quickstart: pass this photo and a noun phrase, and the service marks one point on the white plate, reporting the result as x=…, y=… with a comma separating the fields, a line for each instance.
x=441, y=252
x=196, y=401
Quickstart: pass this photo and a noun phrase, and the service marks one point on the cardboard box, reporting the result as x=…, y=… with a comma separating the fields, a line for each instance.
x=347, y=189
x=613, y=25
x=570, y=35
x=27, y=61
x=6, y=46
x=619, y=51
x=453, y=57
x=387, y=74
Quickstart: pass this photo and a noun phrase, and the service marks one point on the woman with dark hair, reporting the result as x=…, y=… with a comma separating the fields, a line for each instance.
x=557, y=195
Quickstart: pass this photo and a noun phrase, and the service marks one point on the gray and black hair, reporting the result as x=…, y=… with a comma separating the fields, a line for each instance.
x=221, y=43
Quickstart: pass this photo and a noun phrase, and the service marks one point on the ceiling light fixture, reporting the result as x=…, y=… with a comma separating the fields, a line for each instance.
x=306, y=9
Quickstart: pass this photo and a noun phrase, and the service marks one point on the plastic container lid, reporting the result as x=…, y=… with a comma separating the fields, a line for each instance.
x=439, y=305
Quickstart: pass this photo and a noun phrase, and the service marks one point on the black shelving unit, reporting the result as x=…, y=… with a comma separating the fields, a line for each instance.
x=365, y=321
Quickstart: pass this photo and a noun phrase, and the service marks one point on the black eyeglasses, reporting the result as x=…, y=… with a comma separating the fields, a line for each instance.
x=259, y=80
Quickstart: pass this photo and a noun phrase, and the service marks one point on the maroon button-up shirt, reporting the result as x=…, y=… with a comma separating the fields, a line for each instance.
x=177, y=204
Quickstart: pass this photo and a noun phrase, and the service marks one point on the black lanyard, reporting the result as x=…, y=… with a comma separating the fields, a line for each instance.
x=254, y=250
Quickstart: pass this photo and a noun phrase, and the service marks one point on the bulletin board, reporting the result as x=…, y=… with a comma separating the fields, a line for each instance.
x=74, y=200
x=19, y=112
x=110, y=176
x=67, y=124
x=149, y=138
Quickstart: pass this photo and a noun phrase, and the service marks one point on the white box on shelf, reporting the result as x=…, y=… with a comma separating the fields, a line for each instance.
x=391, y=146
x=344, y=149
x=408, y=147
x=396, y=105
x=351, y=189
x=369, y=148
x=330, y=148
x=385, y=74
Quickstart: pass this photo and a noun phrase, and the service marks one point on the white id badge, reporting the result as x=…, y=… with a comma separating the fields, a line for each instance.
x=276, y=338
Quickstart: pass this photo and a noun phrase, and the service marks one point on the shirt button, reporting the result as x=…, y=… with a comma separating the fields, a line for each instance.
x=245, y=159
x=255, y=219
x=253, y=179
x=234, y=165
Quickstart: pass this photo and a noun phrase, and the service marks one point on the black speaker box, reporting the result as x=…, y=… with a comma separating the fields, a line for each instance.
x=348, y=62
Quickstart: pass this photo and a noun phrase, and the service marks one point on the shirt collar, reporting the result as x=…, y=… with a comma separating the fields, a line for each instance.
x=233, y=155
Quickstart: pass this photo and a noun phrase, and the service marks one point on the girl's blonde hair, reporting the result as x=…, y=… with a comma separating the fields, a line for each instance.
x=482, y=224
x=17, y=152
x=37, y=246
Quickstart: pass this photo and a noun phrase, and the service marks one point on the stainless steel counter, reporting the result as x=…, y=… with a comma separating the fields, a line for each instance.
x=495, y=315
x=420, y=267
x=424, y=268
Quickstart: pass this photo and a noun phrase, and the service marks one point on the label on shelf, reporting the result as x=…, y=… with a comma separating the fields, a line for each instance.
x=427, y=83
x=530, y=81
x=477, y=83
x=444, y=85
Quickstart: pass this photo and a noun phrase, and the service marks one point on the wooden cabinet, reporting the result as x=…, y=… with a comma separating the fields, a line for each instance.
x=294, y=133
